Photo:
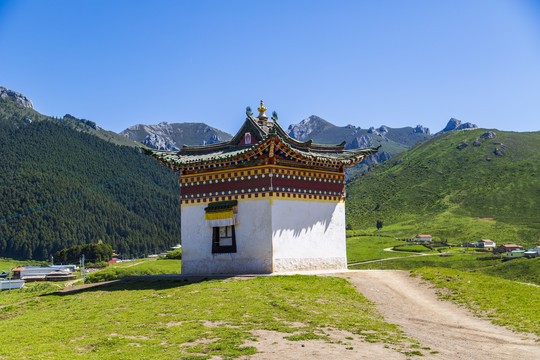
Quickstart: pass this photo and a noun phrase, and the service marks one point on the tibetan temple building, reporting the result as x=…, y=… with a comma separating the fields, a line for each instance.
x=262, y=202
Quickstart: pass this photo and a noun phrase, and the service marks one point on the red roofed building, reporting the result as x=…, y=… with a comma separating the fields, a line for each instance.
x=507, y=248
x=424, y=238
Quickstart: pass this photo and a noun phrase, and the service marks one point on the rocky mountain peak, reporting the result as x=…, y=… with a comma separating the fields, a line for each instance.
x=419, y=129
x=304, y=128
x=172, y=136
x=157, y=142
x=381, y=131
x=360, y=142
x=16, y=97
x=455, y=124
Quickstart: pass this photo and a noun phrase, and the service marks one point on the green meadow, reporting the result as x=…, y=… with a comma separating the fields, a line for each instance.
x=137, y=267
x=219, y=318
x=464, y=259
x=180, y=319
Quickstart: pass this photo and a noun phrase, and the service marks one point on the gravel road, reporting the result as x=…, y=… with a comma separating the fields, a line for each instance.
x=441, y=325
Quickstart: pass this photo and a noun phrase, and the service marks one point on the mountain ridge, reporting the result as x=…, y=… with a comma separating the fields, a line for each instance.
x=172, y=136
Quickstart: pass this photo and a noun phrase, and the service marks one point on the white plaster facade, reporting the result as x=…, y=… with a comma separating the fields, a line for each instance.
x=272, y=235
x=308, y=235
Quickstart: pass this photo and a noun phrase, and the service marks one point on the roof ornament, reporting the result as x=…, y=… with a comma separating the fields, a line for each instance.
x=248, y=111
x=262, y=115
x=274, y=116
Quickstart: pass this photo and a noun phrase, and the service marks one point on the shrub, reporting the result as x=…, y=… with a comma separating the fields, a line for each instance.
x=175, y=254
x=97, y=265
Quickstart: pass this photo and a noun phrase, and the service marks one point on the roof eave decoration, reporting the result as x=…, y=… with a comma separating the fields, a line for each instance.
x=345, y=158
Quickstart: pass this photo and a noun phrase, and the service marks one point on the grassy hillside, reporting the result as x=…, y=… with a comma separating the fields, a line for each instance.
x=43, y=162
x=455, y=189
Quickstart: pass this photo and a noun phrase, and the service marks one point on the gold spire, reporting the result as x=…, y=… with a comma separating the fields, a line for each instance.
x=262, y=115
x=262, y=109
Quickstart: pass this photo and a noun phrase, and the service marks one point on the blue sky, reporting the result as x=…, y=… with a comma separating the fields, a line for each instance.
x=366, y=63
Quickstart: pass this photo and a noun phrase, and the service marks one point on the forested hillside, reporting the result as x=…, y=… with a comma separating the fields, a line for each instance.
x=465, y=185
x=42, y=161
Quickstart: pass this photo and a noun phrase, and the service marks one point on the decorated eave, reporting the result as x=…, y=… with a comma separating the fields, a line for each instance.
x=268, y=139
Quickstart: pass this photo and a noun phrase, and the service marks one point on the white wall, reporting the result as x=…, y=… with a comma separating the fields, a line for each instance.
x=253, y=241
x=278, y=236
x=308, y=236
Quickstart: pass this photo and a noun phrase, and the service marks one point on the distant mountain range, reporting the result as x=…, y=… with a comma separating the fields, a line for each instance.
x=392, y=141
x=166, y=136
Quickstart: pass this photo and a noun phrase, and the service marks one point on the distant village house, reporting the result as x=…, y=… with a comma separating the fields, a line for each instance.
x=47, y=273
x=423, y=238
x=507, y=248
x=485, y=244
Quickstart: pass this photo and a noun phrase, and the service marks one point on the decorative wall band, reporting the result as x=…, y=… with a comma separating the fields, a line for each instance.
x=260, y=191
x=267, y=195
x=262, y=172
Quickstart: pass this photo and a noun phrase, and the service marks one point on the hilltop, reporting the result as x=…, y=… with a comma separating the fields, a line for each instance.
x=459, y=185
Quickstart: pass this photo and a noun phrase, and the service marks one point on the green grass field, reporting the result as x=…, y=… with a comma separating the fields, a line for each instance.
x=172, y=319
x=137, y=267
x=166, y=319
x=6, y=264
x=519, y=270
x=364, y=248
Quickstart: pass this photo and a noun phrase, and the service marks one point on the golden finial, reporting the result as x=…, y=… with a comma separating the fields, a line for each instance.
x=262, y=115
x=262, y=109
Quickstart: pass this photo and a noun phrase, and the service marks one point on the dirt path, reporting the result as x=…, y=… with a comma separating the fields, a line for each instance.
x=72, y=282
x=452, y=331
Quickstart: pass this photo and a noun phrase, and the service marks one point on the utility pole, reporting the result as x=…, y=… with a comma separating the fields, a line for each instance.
x=83, y=272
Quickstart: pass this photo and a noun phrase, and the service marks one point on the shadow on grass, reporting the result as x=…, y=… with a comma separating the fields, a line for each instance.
x=139, y=282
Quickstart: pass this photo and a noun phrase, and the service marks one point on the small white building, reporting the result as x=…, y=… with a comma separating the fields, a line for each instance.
x=487, y=244
x=262, y=202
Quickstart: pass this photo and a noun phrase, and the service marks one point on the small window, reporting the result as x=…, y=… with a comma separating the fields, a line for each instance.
x=223, y=240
